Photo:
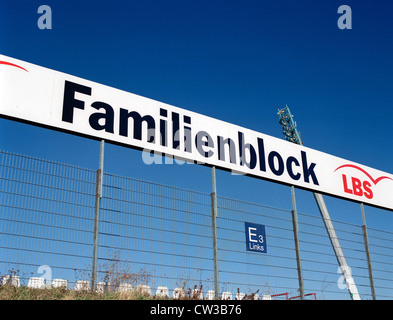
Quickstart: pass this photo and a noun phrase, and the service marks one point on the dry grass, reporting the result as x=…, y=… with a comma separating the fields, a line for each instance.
x=10, y=292
x=116, y=273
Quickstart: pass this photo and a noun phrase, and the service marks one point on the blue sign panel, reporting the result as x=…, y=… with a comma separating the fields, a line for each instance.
x=255, y=237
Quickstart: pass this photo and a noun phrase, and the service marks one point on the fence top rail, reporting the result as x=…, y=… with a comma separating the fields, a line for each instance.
x=155, y=184
x=333, y=220
x=13, y=154
x=253, y=203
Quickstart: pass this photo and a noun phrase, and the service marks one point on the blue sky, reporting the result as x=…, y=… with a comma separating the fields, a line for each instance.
x=236, y=61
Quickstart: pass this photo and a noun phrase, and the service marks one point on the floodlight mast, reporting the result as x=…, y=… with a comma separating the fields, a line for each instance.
x=292, y=135
x=288, y=125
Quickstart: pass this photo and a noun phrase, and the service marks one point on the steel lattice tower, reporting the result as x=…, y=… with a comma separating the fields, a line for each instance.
x=291, y=134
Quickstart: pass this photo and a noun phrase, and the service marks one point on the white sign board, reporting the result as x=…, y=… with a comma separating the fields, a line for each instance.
x=60, y=101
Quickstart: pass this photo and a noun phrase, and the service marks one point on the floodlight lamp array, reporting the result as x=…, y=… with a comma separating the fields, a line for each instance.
x=288, y=125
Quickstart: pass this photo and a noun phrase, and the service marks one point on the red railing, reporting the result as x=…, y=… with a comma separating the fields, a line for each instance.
x=281, y=294
x=308, y=294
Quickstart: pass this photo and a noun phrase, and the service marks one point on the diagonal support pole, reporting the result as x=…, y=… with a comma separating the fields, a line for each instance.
x=342, y=262
x=291, y=134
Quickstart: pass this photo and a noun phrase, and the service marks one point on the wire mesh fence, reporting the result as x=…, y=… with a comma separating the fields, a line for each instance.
x=162, y=230
x=45, y=216
x=161, y=237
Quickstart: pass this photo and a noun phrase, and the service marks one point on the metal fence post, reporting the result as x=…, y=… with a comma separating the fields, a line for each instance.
x=214, y=226
x=99, y=179
x=296, y=236
x=365, y=237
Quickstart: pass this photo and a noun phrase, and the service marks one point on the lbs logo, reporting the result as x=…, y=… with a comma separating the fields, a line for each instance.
x=358, y=187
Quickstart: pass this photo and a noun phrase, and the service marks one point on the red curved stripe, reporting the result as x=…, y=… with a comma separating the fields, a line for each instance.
x=365, y=172
x=13, y=65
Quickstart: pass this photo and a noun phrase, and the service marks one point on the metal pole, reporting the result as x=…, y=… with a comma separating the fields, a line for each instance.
x=365, y=237
x=297, y=247
x=291, y=134
x=353, y=291
x=214, y=226
x=97, y=214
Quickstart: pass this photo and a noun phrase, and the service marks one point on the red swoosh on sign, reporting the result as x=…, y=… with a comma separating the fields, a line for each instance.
x=364, y=171
x=13, y=65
